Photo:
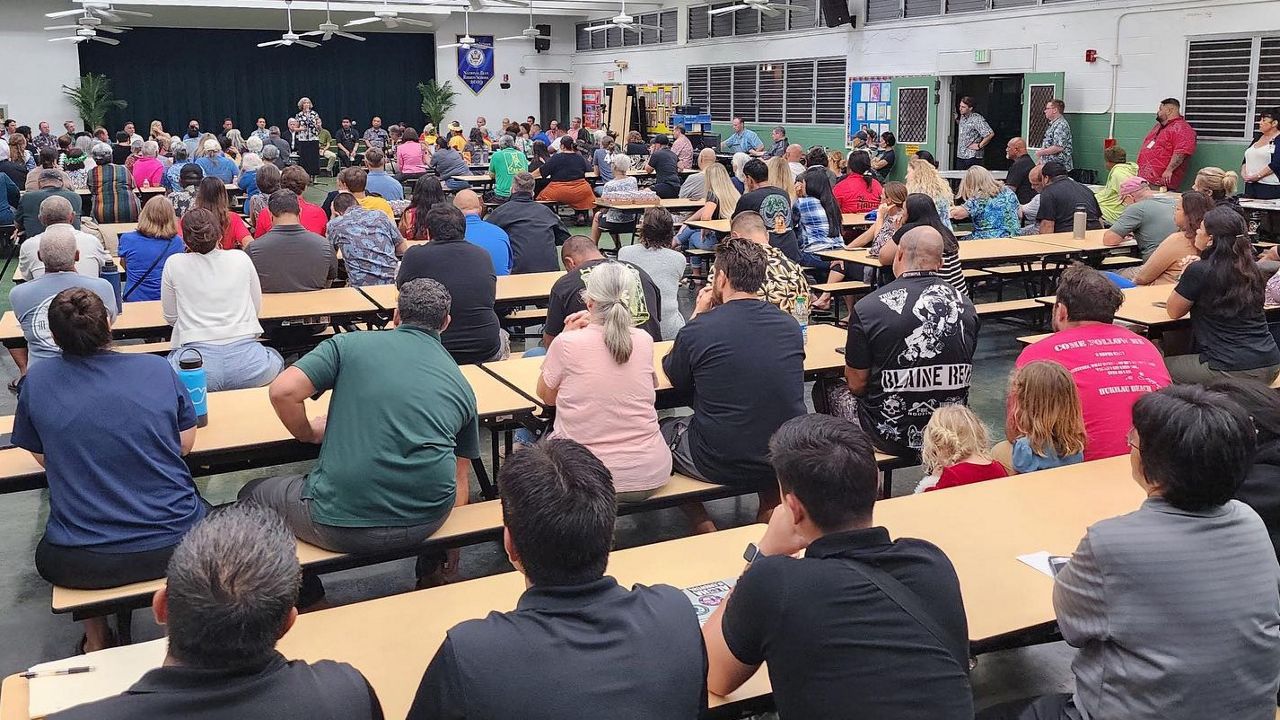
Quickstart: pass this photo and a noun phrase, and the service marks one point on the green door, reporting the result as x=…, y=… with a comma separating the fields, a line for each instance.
x=1038, y=89
x=915, y=117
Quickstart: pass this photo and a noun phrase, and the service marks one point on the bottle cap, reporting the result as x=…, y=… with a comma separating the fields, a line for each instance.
x=188, y=363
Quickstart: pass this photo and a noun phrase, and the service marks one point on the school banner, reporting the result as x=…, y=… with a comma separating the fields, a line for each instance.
x=475, y=64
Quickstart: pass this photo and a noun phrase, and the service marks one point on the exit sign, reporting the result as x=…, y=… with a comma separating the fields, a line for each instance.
x=982, y=56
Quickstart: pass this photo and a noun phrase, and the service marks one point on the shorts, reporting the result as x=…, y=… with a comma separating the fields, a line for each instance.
x=675, y=431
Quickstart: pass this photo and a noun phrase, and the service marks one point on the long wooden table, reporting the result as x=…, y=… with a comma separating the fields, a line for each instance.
x=981, y=527
x=991, y=251
x=722, y=226
x=1140, y=307
x=531, y=288
x=669, y=204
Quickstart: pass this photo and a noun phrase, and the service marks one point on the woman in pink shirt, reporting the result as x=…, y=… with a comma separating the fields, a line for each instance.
x=410, y=158
x=599, y=375
x=147, y=169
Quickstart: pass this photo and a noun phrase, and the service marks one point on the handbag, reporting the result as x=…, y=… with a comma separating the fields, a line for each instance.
x=145, y=275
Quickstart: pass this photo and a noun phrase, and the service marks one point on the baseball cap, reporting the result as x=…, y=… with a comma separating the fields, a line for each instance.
x=1132, y=185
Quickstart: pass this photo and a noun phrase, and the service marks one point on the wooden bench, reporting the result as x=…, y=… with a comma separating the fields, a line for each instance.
x=1010, y=308
x=1112, y=262
x=1033, y=339
x=466, y=525
x=154, y=348
x=845, y=287
x=527, y=316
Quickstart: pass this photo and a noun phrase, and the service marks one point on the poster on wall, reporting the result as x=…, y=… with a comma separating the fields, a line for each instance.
x=475, y=64
x=591, y=98
x=870, y=106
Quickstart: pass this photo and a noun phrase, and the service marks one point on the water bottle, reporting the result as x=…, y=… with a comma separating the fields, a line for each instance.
x=800, y=311
x=111, y=273
x=191, y=372
x=1079, y=223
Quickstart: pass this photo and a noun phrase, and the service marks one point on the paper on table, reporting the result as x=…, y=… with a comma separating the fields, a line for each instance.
x=1039, y=561
x=114, y=671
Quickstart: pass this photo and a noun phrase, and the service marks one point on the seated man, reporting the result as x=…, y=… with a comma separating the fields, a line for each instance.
x=1174, y=607
x=312, y=217
x=56, y=211
x=57, y=255
x=1059, y=199
x=466, y=272
x=902, y=653
x=395, y=446
x=291, y=258
x=1110, y=199
x=1111, y=365
x=1021, y=163
x=580, y=255
x=50, y=184
x=773, y=206
x=353, y=180
x=492, y=238
x=370, y=243
x=784, y=280
x=535, y=229
x=664, y=165
x=378, y=181
x=229, y=597
x=504, y=165
x=742, y=359
x=910, y=347
x=577, y=640
x=1147, y=217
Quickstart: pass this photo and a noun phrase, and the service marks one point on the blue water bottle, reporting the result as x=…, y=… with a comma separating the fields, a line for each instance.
x=191, y=372
x=111, y=273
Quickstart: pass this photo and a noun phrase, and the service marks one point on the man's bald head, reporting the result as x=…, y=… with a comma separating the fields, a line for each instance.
x=58, y=249
x=921, y=249
x=794, y=153
x=1036, y=177
x=750, y=225
x=468, y=202
x=1016, y=148
x=577, y=250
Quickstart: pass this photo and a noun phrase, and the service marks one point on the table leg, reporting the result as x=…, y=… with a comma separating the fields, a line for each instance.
x=482, y=476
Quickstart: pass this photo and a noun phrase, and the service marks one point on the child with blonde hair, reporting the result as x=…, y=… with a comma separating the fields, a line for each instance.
x=954, y=450
x=1046, y=417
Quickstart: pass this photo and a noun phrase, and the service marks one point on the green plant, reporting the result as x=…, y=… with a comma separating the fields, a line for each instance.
x=437, y=100
x=93, y=99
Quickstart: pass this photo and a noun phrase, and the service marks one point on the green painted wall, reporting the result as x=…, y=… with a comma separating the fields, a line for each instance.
x=1089, y=132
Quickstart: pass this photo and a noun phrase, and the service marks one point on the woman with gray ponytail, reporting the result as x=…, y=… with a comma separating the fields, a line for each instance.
x=599, y=375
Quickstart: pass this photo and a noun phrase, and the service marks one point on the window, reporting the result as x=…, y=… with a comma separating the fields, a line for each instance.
x=803, y=91
x=699, y=22
x=1037, y=124
x=616, y=37
x=722, y=23
x=802, y=15
x=922, y=8
x=959, y=6
x=882, y=10
x=667, y=21
x=746, y=22
x=913, y=115
x=1228, y=81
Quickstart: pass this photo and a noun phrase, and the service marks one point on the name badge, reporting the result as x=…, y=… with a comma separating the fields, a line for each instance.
x=1151, y=144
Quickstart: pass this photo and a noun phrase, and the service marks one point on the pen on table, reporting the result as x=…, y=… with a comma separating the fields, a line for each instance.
x=51, y=673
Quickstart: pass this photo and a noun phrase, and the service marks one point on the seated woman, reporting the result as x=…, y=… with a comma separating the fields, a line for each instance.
x=211, y=195
x=112, y=189
x=722, y=197
x=144, y=251
x=1166, y=263
x=1118, y=170
x=599, y=375
x=267, y=178
x=923, y=177
x=426, y=193
x=738, y=162
x=148, y=170
x=188, y=187
x=211, y=297
x=608, y=219
x=247, y=180
x=567, y=173
x=410, y=157
x=1218, y=184
x=214, y=163
x=665, y=266
x=73, y=164
x=1223, y=293
x=120, y=495
x=988, y=204
x=636, y=144
x=476, y=151
x=889, y=217
x=46, y=159
x=600, y=159
x=923, y=210
x=859, y=191
x=817, y=218
x=449, y=166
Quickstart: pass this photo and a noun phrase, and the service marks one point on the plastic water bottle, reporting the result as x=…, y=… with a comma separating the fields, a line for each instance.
x=111, y=273
x=191, y=373
x=1079, y=223
x=800, y=311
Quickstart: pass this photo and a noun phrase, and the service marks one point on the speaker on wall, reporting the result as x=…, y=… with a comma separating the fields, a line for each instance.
x=540, y=45
x=837, y=13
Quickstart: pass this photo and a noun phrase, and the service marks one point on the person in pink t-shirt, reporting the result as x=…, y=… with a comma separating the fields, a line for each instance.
x=599, y=375
x=1111, y=366
x=147, y=169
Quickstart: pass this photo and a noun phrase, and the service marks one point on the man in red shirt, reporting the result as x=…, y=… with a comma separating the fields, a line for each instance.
x=312, y=217
x=1165, y=150
x=1112, y=367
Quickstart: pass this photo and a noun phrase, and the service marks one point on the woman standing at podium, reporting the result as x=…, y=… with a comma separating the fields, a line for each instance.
x=307, y=142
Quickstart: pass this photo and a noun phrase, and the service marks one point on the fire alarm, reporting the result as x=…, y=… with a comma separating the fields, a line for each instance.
x=1090, y=56
x=506, y=82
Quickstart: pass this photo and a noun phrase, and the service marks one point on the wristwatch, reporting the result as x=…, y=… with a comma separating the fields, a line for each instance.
x=751, y=553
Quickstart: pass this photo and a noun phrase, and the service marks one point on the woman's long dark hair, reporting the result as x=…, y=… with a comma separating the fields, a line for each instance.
x=426, y=193
x=921, y=210
x=540, y=152
x=818, y=186
x=860, y=164
x=1234, y=285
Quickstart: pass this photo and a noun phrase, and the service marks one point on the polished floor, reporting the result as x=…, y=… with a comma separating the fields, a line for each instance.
x=32, y=634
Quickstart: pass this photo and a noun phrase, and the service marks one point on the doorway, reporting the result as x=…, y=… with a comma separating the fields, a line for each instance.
x=553, y=104
x=998, y=98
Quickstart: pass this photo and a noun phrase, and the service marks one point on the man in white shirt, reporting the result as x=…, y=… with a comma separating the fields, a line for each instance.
x=54, y=212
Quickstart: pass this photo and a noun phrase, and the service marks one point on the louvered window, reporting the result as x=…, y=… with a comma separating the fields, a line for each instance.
x=722, y=93
x=1268, y=94
x=631, y=39
x=699, y=22
x=800, y=92
x=613, y=37
x=806, y=91
x=722, y=23
x=583, y=37
x=746, y=22
x=744, y=92
x=597, y=39
x=959, y=6
x=804, y=14
x=1217, y=98
x=696, y=83
x=667, y=21
x=923, y=8
x=883, y=10
x=829, y=100
x=1002, y=4
x=771, y=92
x=774, y=23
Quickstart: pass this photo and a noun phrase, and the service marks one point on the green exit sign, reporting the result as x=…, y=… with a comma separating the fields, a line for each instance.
x=982, y=56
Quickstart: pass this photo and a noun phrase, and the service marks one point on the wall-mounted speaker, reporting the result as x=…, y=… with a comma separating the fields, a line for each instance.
x=836, y=13
x=539, y=44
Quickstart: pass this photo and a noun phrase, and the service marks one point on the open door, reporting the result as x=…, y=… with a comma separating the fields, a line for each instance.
x=1038, y=89
x=915, y=113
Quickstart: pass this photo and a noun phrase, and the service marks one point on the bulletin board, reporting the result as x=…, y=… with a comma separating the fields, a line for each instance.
x=870, y=106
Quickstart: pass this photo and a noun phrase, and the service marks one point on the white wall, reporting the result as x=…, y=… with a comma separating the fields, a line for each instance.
x=36, y=69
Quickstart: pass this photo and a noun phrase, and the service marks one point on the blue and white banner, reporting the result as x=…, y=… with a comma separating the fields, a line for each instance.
x=475, y=64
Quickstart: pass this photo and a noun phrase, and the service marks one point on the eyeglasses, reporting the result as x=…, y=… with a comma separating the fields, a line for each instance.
x=1131, y=439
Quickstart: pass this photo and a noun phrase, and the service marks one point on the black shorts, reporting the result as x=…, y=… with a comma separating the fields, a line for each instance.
x=85, y=569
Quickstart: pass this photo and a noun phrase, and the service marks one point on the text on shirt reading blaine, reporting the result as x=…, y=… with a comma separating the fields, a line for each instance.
x=927, y=378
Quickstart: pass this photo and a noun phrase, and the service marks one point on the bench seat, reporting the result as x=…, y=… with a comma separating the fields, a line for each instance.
x=846, y=287
x=1009, y=307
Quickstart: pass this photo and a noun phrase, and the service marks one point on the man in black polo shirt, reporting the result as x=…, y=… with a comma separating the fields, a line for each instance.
x=577, y=644
x=1059, y=199
x=466, y=271
x=910, y=347
x=580, y=255
x=774, y=206
x=665, y=167
x=535, y=229
x=230, y=594
x=861, y=626
x=347, y=137
x=1019, y=177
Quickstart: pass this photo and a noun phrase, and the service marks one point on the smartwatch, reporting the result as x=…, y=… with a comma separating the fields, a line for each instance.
x=751, y=553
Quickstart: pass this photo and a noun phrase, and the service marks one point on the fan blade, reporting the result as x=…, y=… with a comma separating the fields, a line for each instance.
x=306, y=43
x=419, y=23
x=109, y=41
x=598, y=28
x=135, y=13
x=729, y=9
x=517, y=3
x=64, y=13
x=313, y=32
x=63, y=27
x=116, y=30
x=105, y=13
x=347, y=35
x=646, y=27
x=362, y=21
x=271, y=43
x=513, y=37
x=74, y=38
x=450, y=45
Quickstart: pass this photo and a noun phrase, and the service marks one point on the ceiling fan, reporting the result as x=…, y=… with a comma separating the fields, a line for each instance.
x=390, y=18
x=768, y=7
x=466, y=42
x=624, y=21
x=329, y=28
x=99, y=8
x=290, y=37
x=85, y=34
x=529, y=33
x=89, y=21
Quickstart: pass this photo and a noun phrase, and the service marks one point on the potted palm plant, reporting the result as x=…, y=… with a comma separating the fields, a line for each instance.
x=93, y=99
x=437, y=100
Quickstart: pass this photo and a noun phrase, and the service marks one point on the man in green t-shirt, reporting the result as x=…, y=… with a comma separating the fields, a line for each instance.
x=397, y=444
x=504, y=165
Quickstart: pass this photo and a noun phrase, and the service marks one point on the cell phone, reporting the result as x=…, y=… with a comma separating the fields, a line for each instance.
x=840, y=350
x=1056, y=563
